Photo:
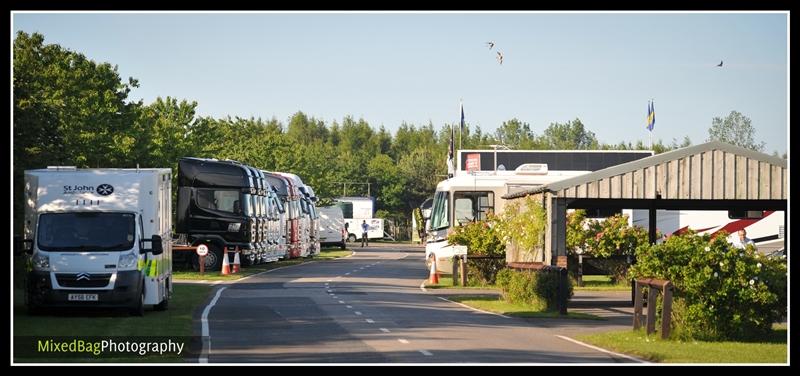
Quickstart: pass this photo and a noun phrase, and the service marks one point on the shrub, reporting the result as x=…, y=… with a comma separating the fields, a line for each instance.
x=721, y=292
x=538, y=289
x=481, y=239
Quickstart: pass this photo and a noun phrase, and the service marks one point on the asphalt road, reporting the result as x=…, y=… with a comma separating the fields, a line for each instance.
x=369, y=308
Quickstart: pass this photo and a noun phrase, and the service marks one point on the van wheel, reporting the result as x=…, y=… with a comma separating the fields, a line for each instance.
x=163, y=306
x=138, y=308
x=351, y=238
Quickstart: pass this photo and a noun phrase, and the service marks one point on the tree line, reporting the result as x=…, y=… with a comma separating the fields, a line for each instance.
x=70, y=110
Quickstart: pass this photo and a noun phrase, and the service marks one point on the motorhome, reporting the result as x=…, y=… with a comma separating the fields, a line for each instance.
x=331, y=226
x=469, y=197
x=356, y=211
x=98, y=238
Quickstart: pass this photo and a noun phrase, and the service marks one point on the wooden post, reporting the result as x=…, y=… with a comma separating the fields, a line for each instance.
x=463, y=274
x=666, y=311
x=455, y=270
x=637, y=306
x=202, y=264
x=651, y=309
x=562, y=291
x=580, y=270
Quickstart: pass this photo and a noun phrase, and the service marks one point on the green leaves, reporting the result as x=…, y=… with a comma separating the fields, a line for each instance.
x=726, y=292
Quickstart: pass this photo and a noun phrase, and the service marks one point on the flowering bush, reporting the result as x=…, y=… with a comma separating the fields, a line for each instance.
x=481, y=239
x=721, y=292
x=523, y=223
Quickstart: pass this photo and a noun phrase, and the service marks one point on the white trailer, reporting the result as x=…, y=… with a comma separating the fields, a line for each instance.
x=98, y=238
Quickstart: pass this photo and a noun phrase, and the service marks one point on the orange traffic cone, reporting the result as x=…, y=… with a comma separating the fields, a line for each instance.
x=236, y=263
x=434, y=272
x=226, y=267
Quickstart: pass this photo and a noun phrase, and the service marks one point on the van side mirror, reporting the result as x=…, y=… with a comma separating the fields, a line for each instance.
x=155, y=245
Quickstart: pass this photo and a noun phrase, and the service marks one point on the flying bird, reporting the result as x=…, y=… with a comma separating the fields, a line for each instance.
x=720, y=63
x=490, y=44
x=500, y=57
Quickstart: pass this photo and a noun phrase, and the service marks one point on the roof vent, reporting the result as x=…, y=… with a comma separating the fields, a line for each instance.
x=532, y=169
x=62, y=168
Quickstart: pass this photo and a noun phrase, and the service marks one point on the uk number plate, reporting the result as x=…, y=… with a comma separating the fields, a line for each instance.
x=82, y=297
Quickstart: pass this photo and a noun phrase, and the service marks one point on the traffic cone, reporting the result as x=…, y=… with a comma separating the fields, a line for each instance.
x=226, y=267
x=236, y=263
x=434, y=273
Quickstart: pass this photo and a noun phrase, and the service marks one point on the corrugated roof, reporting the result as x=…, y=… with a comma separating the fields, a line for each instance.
x=649, y=162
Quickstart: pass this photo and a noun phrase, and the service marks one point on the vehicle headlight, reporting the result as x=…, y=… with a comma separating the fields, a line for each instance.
x=41, y=262
x=234, y=227
x=127, y=260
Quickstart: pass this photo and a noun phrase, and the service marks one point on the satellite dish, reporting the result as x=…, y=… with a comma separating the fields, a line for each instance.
x=501, y=168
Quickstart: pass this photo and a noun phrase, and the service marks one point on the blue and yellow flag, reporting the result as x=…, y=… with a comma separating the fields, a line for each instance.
x=651, y=116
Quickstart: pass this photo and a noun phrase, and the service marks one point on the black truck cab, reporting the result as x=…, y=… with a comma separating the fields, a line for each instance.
x=216, y=207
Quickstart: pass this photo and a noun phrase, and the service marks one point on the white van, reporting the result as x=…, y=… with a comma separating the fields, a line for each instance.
x=331, y=226
x=98, y=238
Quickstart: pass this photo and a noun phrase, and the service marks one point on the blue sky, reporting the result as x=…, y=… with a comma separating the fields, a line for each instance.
x=415, y=67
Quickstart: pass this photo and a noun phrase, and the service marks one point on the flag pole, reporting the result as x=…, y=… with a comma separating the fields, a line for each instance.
x=461, y=127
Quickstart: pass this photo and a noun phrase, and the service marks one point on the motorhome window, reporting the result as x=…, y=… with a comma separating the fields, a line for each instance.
x=86, y=231
x=472, y=206
x=602, y=212
x=304, y=206
x=440, y=215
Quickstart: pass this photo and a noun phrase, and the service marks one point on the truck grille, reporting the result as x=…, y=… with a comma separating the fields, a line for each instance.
x=83, y=279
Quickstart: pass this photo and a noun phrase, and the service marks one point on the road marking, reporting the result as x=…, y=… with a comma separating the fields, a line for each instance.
x=371, y=321
x=351, y=307
x=334, y=296
x=341, y=302
x=330, y=290
x=401, y=340
x=602, y=350
x=326, y=283
x=385, y=330
x=329, y=280
x=357, y=313
x=426, y=352
x=204, y=327
x=474, y=309
x=422, y=286
x=346, y=273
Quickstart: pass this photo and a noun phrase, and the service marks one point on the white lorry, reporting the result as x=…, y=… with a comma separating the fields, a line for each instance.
x=356, y=211
x=98, y=238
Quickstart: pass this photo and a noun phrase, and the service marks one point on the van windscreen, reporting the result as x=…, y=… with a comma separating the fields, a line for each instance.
x=86, y=232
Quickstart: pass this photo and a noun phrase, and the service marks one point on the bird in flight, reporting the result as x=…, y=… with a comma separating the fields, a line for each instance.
x=490, y=44
x=500, y=57
x=720, y=63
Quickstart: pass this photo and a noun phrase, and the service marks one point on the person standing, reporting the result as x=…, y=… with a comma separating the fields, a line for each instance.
x=364, y=229
x=743, y=240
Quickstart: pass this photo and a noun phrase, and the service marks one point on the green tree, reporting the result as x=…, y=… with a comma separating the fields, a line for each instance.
x=422, y=170
x=734, y=129
x=390, y=183
x=568, y=136
x=515, y=134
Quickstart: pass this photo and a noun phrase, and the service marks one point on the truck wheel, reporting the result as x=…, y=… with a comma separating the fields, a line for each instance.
x=351, y=238
x=138, y=307
x=213, y=260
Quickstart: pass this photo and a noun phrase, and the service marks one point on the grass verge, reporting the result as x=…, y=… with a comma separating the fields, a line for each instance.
x=82, y=323
x=600, y=283
x=447, y=283
x=493, y=304
x=325, y=254
x=655, y=349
